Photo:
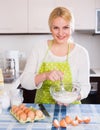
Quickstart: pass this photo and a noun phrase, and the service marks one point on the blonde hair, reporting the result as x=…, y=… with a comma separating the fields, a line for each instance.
x=62, y=12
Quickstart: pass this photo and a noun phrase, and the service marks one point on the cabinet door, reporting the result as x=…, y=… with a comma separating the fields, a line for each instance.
x=39, y=11
x=13, y=16
x=84, y=12
x=97, y=4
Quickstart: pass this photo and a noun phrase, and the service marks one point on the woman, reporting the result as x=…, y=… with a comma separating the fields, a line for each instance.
x=57, y=59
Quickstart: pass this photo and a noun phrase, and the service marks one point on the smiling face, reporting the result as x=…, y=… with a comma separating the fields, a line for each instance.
x=61, y=23
x=61, y=30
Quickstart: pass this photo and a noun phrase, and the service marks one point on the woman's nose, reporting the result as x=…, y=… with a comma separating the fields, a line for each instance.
x=61, y=32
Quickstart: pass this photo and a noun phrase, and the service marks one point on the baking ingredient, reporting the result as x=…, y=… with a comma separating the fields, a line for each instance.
x=18, y=113
x=21, y=106
x=26, y=110
x=63, y=123
x=31, y=115
x=78, y=119
x=68, y=119
x=56, y=123
x=26, y=114
x=86, y=120
x=39, y=113
x=74, y=122
x=23, y=116
x=65, y=97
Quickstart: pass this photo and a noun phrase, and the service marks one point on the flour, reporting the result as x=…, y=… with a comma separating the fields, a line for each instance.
x=65, y=97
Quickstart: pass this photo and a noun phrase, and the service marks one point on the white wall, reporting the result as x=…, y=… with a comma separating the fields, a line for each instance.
x=24, y=43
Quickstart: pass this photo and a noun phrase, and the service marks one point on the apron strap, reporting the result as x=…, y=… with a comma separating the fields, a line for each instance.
x=50, y=48
x=47, y=50
x=68, y=51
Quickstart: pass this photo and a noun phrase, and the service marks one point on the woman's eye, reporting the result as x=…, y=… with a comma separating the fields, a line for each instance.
x=66, y=27
x=55, y=28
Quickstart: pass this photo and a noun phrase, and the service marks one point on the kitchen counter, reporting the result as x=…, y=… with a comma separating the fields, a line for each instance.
x=14, y=84
x=7, y=121
x=95, y=72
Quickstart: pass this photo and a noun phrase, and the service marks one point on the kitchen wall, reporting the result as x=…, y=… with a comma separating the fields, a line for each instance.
x=24, y=44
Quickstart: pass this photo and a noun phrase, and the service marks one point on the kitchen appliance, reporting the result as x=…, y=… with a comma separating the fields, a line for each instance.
x=9, y=72
x=11, y=69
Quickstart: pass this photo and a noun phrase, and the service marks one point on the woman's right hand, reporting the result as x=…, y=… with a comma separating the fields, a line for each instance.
x=54, y=75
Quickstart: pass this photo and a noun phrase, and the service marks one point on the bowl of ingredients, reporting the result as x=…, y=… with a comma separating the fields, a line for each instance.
x=65, y=93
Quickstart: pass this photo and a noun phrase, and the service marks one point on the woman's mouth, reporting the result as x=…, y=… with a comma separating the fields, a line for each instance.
x=61, y=38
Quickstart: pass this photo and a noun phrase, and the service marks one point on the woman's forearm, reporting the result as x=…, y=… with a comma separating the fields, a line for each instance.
x=53, y=75
x=40, y=78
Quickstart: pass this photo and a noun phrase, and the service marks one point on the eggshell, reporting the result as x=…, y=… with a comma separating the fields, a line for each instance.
x=63, y=123
x=68, y=119
x=56, y=123
x=78, y=119
x=26, y=114
x=86, y=120
x=23, y=116
x=31, y=115
x=24, y=108
x=27, y=110
x=39, y=113
x=21, y=106
x=13, y=108
x=74, y=122
x=19, y=112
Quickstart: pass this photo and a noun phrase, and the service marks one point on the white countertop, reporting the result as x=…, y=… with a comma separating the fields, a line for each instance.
x=14, y=84
x=97, y=71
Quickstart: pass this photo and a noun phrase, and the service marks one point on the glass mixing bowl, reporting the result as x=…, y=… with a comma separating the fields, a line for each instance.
x=65, y=93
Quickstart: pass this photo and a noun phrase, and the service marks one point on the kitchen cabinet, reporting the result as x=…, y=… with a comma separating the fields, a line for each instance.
x=84, y=12
x=13, y=16
x=31, y=16
x=97, y=4
x=38, y=13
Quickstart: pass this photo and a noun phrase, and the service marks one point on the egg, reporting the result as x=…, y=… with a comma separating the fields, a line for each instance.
x=86, y=120
x=78, y=119
x=27, y=110
x=13, y=108
x=63, y=123
x=74, y=122
x=68, y=119
x=21, y=106
x=39, y=113
x=23, y=116
x=16, y=109
x=19, y=112
x=31, y=115
x=56, y=123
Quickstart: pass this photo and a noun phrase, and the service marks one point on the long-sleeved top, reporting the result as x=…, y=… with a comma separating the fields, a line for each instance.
x=78, y=59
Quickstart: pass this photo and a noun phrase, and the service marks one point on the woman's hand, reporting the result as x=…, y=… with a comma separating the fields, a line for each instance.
x=54, y=75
